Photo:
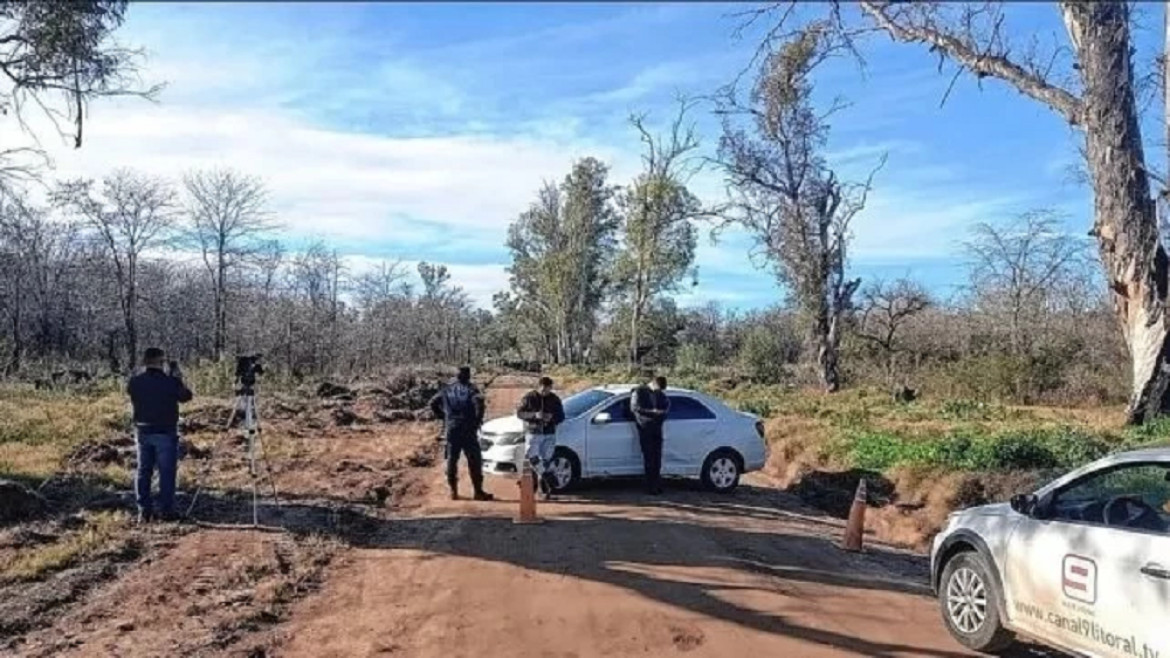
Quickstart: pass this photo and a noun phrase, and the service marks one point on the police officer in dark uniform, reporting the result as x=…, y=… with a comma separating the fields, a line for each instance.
x=461, y=407
x=650, y=406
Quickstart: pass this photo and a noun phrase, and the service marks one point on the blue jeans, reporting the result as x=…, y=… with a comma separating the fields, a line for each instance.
x=161, y=451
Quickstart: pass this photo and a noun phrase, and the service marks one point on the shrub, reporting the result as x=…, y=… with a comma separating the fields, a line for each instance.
x=761, y=407
x=1156, y=430
x=1023, y=452
x=968, y=410
x=692, y=359
x=762, y=356
x=974, y=451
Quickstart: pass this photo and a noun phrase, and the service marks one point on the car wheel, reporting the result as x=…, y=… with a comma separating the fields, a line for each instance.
x=970, y=600
x=721, y=471
x=565, y=469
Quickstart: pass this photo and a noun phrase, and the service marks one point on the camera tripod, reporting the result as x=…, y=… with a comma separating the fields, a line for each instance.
x=246, y=403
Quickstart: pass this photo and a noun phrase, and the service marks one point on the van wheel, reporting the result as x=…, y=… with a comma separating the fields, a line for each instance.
x=970, y=602
x=721, y=470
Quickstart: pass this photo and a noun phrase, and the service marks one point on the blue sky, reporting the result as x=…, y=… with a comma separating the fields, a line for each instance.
x=420, y=131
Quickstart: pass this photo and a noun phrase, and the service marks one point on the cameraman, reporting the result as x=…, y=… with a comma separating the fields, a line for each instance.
x=155, y=394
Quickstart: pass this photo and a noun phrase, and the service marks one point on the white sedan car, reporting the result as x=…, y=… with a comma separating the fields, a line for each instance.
x=704, y=438
x=1082, y=564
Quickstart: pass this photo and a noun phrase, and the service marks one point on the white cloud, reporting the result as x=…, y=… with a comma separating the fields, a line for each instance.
x=233, y=102
x=331, y=183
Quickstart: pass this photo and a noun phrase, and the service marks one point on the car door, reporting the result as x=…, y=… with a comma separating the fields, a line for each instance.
x=688, y=435
x=1083, y=578
x=612, y=441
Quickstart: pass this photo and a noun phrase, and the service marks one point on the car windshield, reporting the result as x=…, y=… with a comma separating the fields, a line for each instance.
x=575, y=405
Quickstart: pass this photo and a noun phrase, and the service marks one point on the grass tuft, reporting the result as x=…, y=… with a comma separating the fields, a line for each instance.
x=102, y=532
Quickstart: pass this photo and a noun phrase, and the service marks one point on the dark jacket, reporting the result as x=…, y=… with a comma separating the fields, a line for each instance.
x=461, y=407
x=535, y=403
x=649, y=406
x=155, y=396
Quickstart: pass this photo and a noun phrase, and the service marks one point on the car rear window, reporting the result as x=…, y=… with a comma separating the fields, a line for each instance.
x=685, y=408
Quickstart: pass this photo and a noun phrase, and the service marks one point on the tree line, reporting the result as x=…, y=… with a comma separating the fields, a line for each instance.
x=100, y=268
x=109, y=266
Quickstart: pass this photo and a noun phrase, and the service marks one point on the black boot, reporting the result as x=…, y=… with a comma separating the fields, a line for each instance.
x=483, y=495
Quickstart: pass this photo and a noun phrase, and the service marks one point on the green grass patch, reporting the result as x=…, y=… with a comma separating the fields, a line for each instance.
x=977, y=449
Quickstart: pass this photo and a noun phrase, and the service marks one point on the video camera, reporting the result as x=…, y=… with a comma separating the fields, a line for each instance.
x=247, y=367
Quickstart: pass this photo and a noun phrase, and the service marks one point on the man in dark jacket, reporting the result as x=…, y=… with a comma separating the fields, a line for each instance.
x=650, y=406
x=461, y=407
x=155, y=394
x=541, y=410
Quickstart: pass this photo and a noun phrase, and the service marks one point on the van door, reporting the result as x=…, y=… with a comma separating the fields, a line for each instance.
x=1093, y=576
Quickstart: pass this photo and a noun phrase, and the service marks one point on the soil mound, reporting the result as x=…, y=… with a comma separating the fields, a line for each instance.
x=211, y=418
x=334, y=391
x=833, y=491
x=18, y=502
x=118, y=449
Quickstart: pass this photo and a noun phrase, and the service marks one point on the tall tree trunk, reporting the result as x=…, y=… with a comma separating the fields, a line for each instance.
x=1165, y=192
x=112, y=352
x=220, y=331
x=635, y=325
x=825, y=341
x=131, y=314
x=1125, y=222
x=288, y=343
x=15, y=362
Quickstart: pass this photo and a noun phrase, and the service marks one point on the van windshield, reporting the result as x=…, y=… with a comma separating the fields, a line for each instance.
x=577, y=404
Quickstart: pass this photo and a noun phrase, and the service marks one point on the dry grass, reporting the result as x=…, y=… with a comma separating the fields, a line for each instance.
x=102, y=532
x=37, y=428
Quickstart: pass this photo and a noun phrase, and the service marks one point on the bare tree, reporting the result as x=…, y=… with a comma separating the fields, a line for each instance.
x=1019, y=270
x=317, y=278
x=19, y=230
x=783, y=193
x=59, y=56
x=226, y=218
x=1091, y=84
x=444, y=308
x=132, y=214
x=380, y=293
x=268, y=259
x=885, y=310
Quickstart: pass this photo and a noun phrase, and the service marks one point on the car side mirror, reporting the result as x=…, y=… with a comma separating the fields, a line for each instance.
x=1024, y=503
x=602, y=418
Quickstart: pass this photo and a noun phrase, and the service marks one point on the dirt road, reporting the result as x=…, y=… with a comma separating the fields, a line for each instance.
x=372, y=559
x=613, y=574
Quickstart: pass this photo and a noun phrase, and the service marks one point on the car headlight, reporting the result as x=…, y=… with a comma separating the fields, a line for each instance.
x=513, y=439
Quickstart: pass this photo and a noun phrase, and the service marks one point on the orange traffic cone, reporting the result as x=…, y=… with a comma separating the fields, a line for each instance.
x=527, y=497
x=855, y=528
